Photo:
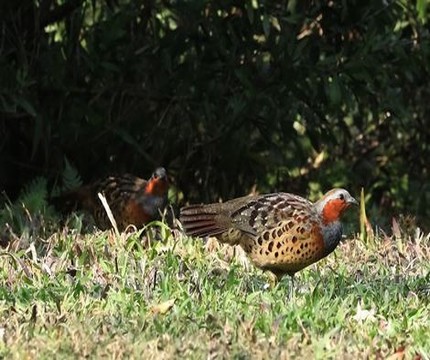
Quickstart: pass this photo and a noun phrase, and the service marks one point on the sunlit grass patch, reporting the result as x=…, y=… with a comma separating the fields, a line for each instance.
x=101, y=294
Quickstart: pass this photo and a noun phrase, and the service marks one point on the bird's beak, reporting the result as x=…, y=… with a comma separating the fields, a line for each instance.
x=159, y=174
x=352, y=201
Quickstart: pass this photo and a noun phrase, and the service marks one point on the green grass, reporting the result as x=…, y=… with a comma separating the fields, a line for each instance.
x=101, y=295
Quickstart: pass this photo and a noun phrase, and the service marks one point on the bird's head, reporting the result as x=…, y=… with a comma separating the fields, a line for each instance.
x=333, y=204
x=158, y=184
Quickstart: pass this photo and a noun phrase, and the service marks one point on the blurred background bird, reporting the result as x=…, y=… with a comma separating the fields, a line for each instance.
x=132, y=200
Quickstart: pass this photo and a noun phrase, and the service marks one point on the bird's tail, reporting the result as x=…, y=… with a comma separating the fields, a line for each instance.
x=69, y=201
x=202, y=220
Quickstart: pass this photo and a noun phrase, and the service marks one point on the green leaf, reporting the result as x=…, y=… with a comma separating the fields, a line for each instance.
x=422, y=10
x=266, y=25
x=71, y=177
x=334, y=91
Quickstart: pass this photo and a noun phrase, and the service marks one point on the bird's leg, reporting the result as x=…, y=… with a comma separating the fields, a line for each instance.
x=291, y=288
x=272, y=280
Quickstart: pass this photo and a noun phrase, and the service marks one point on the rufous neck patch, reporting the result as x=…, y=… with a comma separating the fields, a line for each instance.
x=156, y=187
x=333, y=209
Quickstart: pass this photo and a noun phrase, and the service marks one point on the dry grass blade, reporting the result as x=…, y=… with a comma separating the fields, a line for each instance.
x=108, y=212
x=18, y=261
x=366, y=231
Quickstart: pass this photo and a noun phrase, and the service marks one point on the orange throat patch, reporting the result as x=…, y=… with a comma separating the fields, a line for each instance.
x=333, y=210
x=156, y=187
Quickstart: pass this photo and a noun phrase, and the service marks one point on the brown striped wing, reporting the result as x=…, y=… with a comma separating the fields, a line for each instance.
x=264, y=212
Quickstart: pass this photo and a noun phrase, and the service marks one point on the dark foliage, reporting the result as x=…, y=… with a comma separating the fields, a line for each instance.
x=296, y=96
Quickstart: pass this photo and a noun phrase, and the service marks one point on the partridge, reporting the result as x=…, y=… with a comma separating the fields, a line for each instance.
x=280, y=232
x=132, y=200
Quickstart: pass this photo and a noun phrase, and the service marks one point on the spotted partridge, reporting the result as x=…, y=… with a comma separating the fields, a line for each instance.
x=280, y=232
x=132, y=200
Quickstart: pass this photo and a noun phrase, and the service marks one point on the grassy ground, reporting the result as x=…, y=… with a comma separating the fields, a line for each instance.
x=101, y=295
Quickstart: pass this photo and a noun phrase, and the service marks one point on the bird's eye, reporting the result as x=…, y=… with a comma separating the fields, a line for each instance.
x=342, y=197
